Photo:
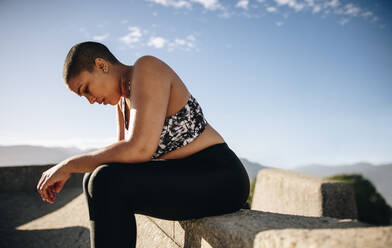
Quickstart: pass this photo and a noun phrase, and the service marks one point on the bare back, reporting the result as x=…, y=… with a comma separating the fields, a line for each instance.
x=179, y=96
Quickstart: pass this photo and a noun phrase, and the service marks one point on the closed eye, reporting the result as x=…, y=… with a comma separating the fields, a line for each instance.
x=86, y=90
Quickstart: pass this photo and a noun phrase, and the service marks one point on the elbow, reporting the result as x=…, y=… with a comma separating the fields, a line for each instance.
x=138, y=155
x=145, y=155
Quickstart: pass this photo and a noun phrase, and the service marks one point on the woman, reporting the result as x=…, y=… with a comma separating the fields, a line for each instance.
x=173, y=165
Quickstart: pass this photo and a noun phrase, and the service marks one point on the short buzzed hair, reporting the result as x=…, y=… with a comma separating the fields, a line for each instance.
x=82, y=57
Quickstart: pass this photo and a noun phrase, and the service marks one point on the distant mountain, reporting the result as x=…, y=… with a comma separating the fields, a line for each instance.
x=252, y=168
x=379, y=175
x=35, y=155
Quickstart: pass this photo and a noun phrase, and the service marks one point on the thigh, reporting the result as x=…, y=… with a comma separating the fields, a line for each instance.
x=177, y=189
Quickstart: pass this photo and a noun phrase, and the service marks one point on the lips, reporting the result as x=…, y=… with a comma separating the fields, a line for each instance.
x=101, y=101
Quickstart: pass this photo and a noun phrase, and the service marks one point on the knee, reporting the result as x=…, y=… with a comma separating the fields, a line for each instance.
x=98, y=182
x=86, y=178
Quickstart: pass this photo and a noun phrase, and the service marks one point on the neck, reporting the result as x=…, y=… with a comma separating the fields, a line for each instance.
x=126, y=73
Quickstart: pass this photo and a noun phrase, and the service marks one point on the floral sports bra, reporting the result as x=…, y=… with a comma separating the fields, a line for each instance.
x=181, y=128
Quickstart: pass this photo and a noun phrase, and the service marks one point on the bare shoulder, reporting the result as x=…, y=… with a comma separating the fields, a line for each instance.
x=149, y=63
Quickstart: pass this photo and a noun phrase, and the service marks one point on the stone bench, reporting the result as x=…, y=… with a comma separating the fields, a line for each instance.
x=258, y=229
x=243, y=229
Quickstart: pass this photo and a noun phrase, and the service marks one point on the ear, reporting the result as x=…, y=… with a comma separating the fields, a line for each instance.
x=101, y=64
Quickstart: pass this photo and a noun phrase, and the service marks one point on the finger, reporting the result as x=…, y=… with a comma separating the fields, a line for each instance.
x=59, y=185
x=40, y=182
x=50, y=195
x=43, y=181
x=53, y=192
x=44, y=190
x=41, y=192
x=50, y=191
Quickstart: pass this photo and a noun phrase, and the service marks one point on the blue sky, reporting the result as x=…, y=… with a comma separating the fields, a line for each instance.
x=285, y=82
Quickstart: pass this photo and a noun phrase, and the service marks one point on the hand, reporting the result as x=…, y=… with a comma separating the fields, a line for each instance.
x=120, y=115
x=52, y=181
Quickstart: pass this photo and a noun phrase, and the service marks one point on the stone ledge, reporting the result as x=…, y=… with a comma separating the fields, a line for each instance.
x=250, y=228
x=26, y=178
x=289, y=192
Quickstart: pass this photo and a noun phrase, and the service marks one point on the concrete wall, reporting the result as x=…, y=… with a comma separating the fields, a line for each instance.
x=25, y=178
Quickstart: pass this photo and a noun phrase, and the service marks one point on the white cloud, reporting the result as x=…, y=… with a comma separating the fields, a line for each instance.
x=226, y=14
x=131, y=37
x=180, y=41
x=100, y=37
x=332, y=4
x=124, y=21
x=351, y=9
x=271, y=9
x=157, y=42
x=291, y=3
x=208, y=4
x=279, y=24
x=154, y=13
x=322, y=7
x=327, y=7
x=242, y=4
x=180, y=4
x=310, y=2
x=176, y=4
x=367, y=14
x=316, y=9
x=343, y=21
x=185, y=44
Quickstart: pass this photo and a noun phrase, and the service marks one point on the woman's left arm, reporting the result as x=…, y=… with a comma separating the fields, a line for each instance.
x=53, y=179
x=120, y=152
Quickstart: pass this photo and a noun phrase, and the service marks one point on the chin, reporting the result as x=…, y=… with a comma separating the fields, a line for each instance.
x=117, y=101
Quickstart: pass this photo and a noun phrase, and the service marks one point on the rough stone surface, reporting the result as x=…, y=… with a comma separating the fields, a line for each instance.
x=256, y=229
x=241, y=228
x=27, y=221
x=289, y=192
x=151, y=235
x=380, y=237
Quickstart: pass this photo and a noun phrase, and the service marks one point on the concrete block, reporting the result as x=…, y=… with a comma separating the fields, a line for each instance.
x=289, y=192
x=151, y=235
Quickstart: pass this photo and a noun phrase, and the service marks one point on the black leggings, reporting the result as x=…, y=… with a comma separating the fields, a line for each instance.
x=210, y=182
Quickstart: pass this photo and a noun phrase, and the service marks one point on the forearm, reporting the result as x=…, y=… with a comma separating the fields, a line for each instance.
x=120, y=135
x=120, y=152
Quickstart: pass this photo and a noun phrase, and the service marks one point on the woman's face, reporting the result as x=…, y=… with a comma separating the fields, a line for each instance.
x=97, y=86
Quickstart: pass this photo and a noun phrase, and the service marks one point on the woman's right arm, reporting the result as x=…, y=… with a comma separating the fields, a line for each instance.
x=120, y=121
